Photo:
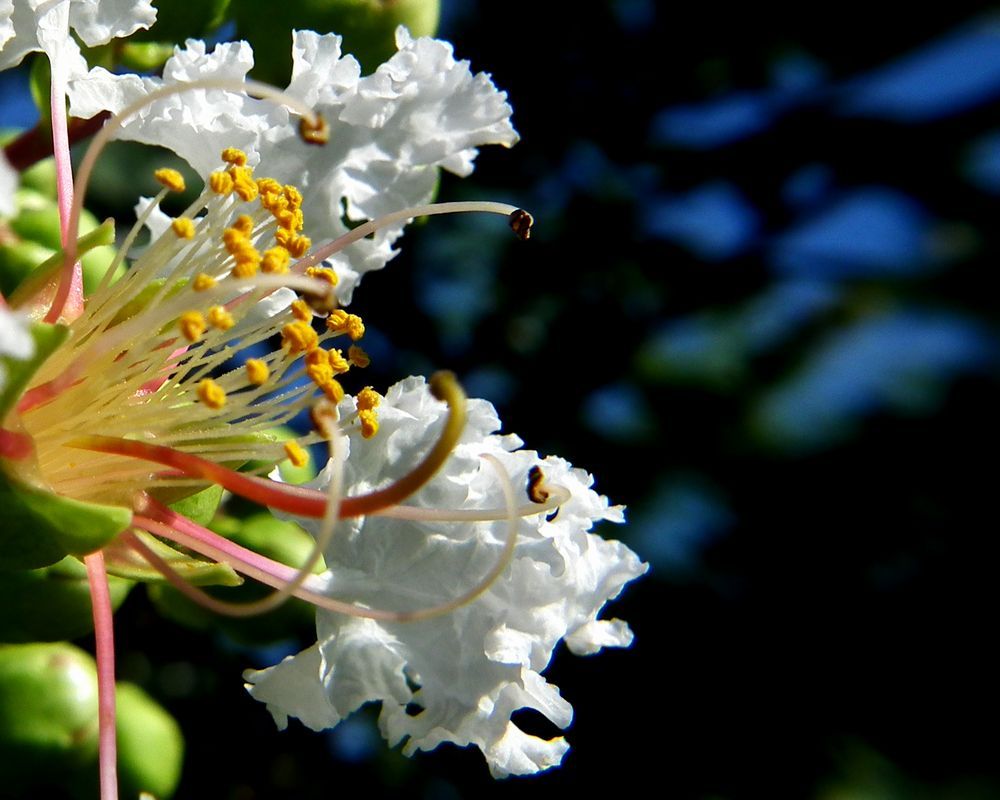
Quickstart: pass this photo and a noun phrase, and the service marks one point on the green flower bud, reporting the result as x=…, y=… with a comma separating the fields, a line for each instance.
x=48, y=713
x=150, y=745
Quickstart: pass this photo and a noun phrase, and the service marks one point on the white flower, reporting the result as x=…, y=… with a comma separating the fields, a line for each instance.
x=390, y=131
x=478, y=664
x=31, y=26
x=15, y=339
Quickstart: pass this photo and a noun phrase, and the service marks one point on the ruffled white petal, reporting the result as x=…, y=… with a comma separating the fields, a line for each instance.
x=474, y=667
x=30, y=26
x=390, y=132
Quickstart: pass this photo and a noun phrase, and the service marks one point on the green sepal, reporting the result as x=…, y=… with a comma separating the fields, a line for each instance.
x=41, y=528
x=125, y=562
x=47, y=340
x=145, y=56
x=52, y=603
x=199, y=507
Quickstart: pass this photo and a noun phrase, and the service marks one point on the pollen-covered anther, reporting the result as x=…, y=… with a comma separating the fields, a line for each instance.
x=324, y=303
x=368, y=399
x=323, y=274
x=333, y=390
x=296, y=454
x=301, y=310
x=211, y=394
x=369, y=422
x=340, y=321
x=234, y=156
x=244, y=224
x=318, y=367
x=298, y=246
x=192, y=325
x=219, y=318
x=299, y=337
x=275, y=260
x=202, y=282
x=170, y=179
x=337, y=362
x=358, y=357
x=243, y=183
x=292, y=195
x=183, y=228
x=317, y=132
x=257, y=371
x=220, y=182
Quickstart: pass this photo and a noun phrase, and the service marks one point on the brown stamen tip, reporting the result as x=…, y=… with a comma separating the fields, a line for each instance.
x=537, y=492
x=521, y=222
x=317, y=133
x=324, y=417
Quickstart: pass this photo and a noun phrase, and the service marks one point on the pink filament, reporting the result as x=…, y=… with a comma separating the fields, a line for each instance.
x=104, y=636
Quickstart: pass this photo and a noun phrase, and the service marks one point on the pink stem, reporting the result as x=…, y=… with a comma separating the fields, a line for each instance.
x=104, y=636
x=70, y=289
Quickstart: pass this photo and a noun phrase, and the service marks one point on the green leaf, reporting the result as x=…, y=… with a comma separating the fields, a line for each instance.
x=40, y=528
x=47, y=339
x=52, y=603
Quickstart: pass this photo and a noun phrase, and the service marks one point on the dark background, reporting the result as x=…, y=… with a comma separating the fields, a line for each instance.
x=759, y=306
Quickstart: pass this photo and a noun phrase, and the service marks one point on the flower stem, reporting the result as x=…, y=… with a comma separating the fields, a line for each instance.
x=104, y=636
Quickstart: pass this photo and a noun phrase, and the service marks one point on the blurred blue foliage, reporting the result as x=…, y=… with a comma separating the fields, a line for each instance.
x=715, y=221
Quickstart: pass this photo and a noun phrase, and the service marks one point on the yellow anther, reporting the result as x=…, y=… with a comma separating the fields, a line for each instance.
x=340, y=321
x=233, y=239
x=292, y=195
x=298, y=246
x=220, y=182
x=301, y=310
x=318, y=367
x=368, y=399
x=369, y=422
x=290, y=219
x=219, y=318
x=244, y=269
x=275, y=260
x=333, y=390
x=211, y=394
x=235, y=156
x=358, y=357
x=192, y=325
x=243, y=183
x=296, y=454
x=244, y=224
x=355, y=327
x=257, y=371
x=338, y=363
x=202, y=282
x=183, y=227
x=337, y=320
x=170, y=179
x=283, y=237
x=299, y=336
x=268, y=186
x=248, y=254
x=323, y=274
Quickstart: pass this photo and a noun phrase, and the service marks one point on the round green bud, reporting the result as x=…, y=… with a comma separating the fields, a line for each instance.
x=150, y=745
x=48, y=713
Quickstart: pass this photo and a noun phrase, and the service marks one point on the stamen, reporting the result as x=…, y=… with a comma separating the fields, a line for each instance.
x=370, y=227
x=295, y=500
x=315, y=131
x=257, y=371
x=296, y=454
x=170, y=179
x=112, y=126
x=183, y=227
x=211, y=394
x=192, y=325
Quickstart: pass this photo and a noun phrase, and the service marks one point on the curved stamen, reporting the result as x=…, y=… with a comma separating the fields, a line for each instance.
x=254, y=565
x=429, y=210
x=103, y=136
x=285, y=589
x=443, y=385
